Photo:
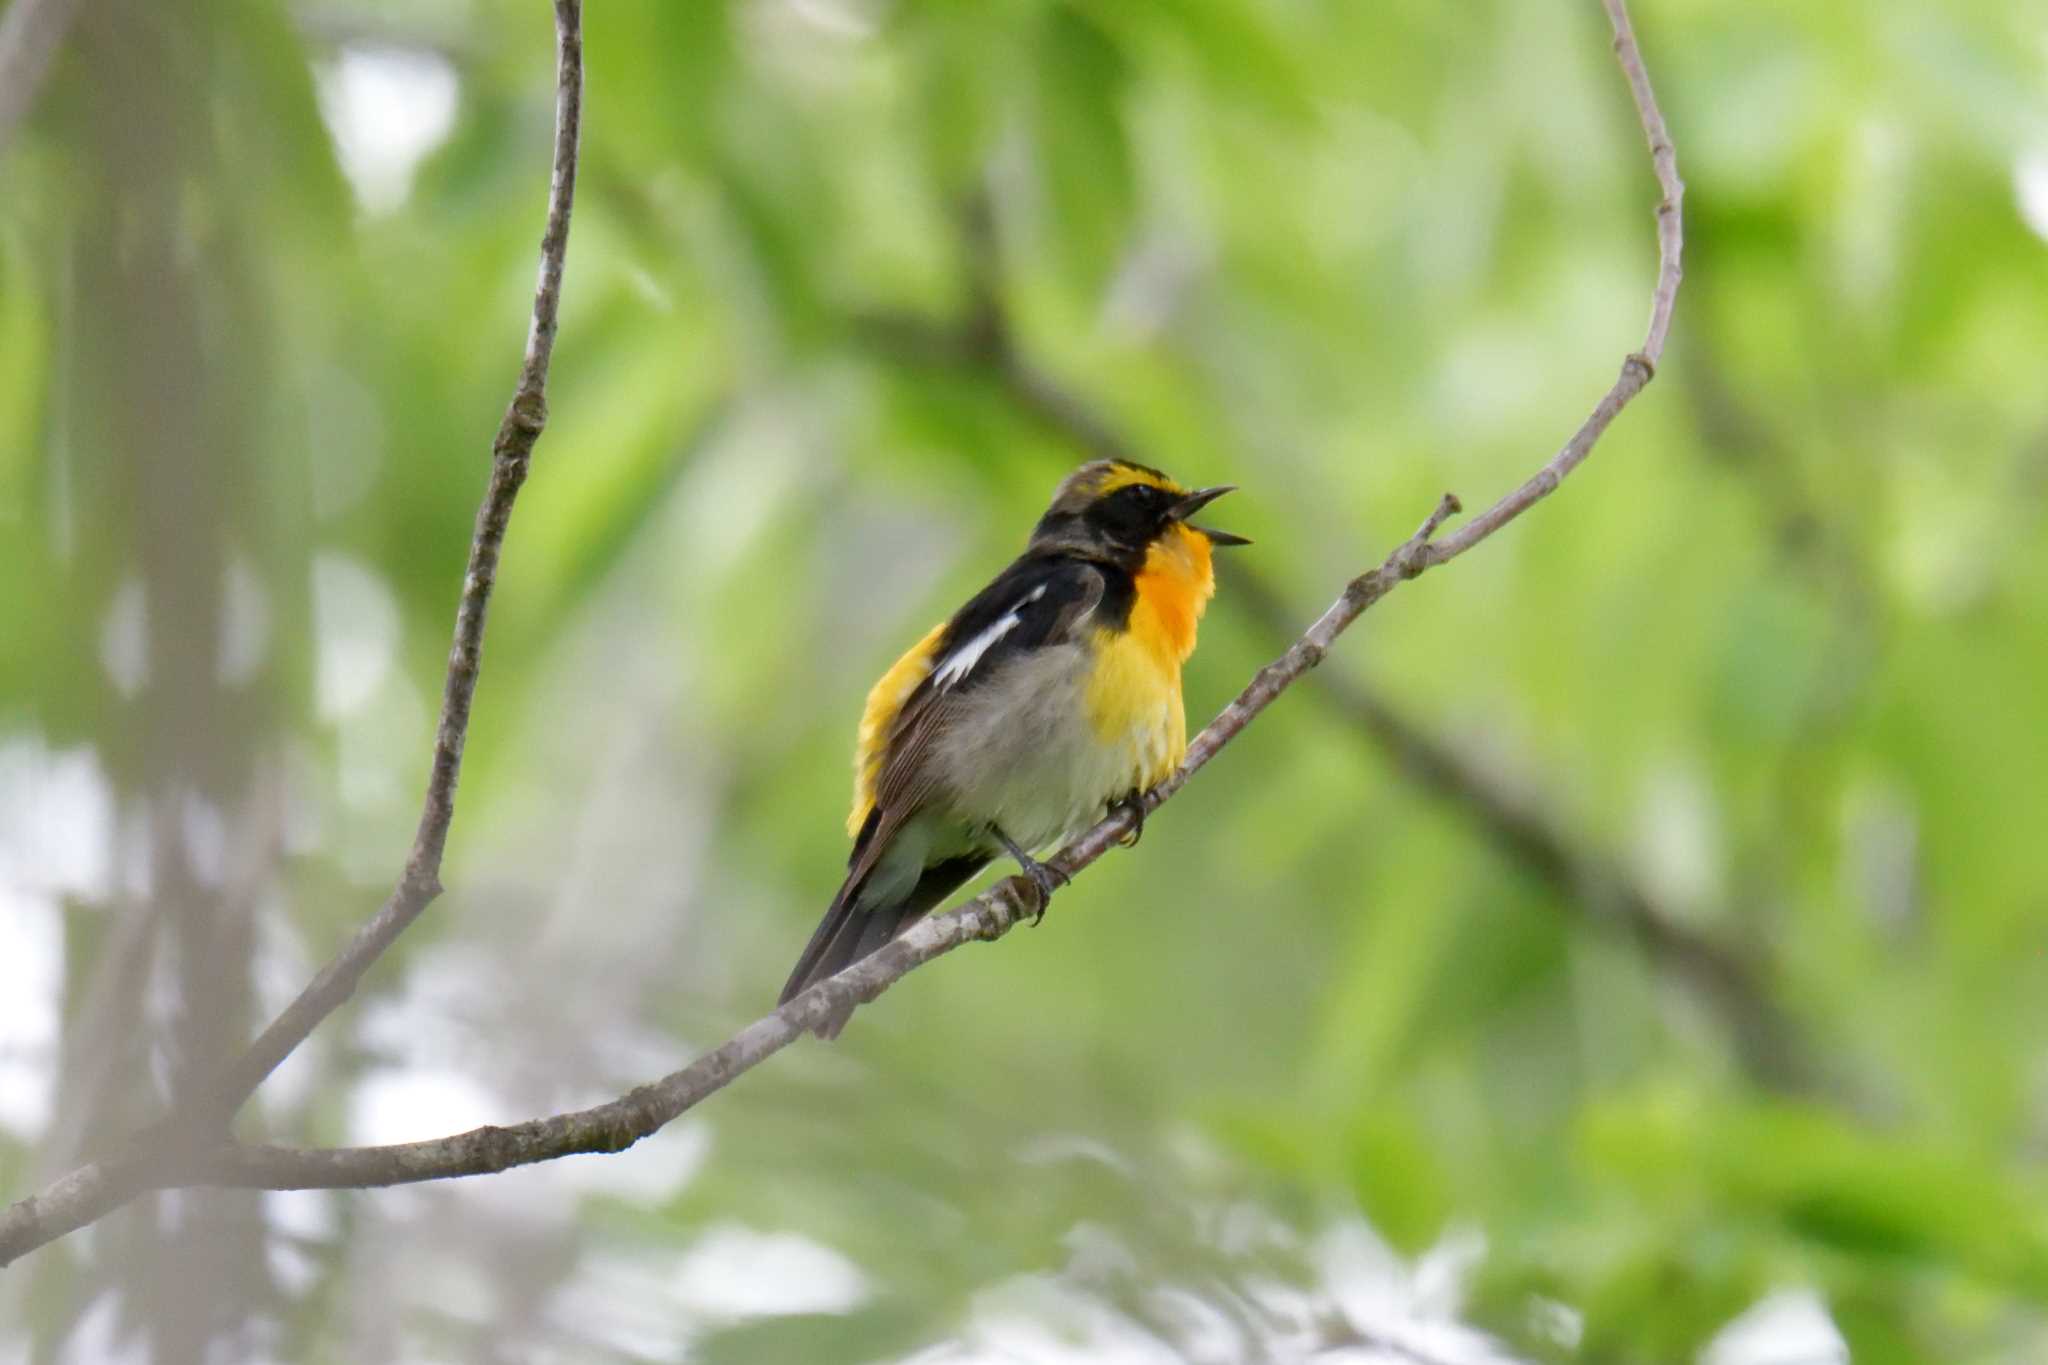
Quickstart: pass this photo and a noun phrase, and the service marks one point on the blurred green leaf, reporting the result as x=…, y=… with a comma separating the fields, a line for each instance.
x=1083, y=148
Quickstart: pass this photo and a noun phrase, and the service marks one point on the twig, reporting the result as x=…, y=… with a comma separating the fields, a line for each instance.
x=198, y=1117
x=614, y=1126
x=511, y=454
x=86, y=1193
x=30, y=33
x=1726, y=978
x=1638, y=369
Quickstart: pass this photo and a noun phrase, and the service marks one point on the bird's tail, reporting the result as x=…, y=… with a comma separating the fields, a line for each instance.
x=852, y=929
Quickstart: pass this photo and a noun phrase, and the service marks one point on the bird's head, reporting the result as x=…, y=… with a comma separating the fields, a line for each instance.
x=1117, y=511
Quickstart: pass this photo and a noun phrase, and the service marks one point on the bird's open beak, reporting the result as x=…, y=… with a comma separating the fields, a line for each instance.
x=1195, y=502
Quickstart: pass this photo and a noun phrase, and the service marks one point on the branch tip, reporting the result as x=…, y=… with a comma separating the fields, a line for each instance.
x=88, y=1193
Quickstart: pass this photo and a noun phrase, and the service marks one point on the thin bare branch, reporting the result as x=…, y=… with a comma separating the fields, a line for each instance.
x=86, y=1193
x=1724, y=977
x=511, y=455
x=101, y=1186
x=1638, y=369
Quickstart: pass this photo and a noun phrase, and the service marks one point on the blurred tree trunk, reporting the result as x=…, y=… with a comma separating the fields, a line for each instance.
x=163, y=374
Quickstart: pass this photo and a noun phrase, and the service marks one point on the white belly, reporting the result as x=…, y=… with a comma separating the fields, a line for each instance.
x=1041, y=772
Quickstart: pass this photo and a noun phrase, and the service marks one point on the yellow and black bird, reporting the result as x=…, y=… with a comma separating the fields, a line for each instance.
x=1051, y=696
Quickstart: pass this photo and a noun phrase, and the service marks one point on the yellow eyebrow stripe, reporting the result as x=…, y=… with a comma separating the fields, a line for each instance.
x=1124, y=476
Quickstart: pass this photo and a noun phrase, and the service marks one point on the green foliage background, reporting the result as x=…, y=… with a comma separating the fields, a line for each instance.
x=1774, y=662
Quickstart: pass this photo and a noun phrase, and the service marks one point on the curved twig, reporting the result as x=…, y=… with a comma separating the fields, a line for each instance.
x=87, y=1193
x=511, y=455
x=91, y=1190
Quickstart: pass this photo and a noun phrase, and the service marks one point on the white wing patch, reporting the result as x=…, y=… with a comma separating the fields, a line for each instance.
x=962, y=660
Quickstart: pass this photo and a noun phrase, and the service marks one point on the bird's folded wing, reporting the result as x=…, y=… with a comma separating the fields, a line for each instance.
x=1036, y=602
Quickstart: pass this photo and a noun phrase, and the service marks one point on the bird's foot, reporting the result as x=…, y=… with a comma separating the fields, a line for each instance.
x=1044, y=876
x=1134, y=802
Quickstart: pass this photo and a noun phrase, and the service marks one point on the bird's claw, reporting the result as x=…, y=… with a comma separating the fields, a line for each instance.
x=1044, y=876
x=1047, y=879
x=1134, y=802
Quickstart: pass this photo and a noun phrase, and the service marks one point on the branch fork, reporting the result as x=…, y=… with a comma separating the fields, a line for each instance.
x=89, y=1192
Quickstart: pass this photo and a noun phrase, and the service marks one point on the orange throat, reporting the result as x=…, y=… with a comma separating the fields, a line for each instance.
x=1174, y=587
